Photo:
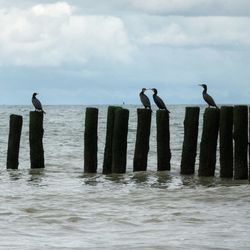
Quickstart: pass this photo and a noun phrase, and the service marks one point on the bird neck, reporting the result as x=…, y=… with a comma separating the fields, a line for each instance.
x=204, y=91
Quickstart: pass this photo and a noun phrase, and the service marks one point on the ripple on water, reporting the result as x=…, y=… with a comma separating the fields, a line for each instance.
x=62, y=208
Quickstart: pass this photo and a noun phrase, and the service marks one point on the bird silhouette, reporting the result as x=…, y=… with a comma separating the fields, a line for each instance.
x=208, y=99
x=144, y=99
x=37, y=104
x=158, y=101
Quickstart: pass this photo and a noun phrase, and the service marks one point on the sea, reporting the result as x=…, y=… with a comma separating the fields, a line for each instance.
x=60, y=207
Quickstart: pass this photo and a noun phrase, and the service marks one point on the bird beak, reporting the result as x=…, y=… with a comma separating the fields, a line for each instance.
x=199, y=85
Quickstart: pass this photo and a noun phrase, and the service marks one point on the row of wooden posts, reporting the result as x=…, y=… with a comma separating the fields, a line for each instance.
x=230, y=123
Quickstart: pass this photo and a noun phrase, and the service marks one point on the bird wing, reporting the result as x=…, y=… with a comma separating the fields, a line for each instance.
x=37, y=104
x=158, y=101
x=209, y=99
x=145, y=100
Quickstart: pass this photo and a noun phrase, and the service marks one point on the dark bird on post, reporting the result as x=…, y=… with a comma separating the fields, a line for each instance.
x=208, y=99
x=158, y=101
x=37, y=104
x=144, y=99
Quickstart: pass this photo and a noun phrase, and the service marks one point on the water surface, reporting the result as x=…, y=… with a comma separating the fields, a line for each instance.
x=61, y=208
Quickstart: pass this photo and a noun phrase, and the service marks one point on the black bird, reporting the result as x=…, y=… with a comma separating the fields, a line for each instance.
x=144, y=99
x=158, y=101
x=208, y=99
x=37, y=104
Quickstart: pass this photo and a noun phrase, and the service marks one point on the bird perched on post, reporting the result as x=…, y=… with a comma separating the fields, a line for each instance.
x=208, y=99
x=144, y=99
x=37, y=104
x=158, y=101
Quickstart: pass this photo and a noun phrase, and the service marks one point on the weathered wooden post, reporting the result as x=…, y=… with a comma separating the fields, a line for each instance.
x=226, y=142
x=119, y=145
x=163, y=140
x=208, y=143
x=107, y=161
x=189, y=148
x=36, y=139
x=90, y=140
x=142, y=139
x=240, y=141
x=16, y=122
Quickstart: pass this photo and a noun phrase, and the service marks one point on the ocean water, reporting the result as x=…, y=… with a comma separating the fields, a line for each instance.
x=61, y=208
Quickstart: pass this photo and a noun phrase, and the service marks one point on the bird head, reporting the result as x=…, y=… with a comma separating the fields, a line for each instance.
x=154, y=90
x=35, y=94
x=203, y=85
x=143, y=90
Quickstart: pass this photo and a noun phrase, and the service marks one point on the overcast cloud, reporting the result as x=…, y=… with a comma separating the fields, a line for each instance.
x=193, y=7
x=92, y=52
x=51, y=34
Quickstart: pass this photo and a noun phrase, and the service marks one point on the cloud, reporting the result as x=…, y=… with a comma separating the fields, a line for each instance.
x=153, y=7
x=193, y=7
x=52, y=34
x=201, y=31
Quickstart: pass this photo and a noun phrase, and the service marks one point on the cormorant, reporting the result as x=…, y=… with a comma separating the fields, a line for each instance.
x=208, y=99
x=144, y=99
x=37, y=104
x=158, y=101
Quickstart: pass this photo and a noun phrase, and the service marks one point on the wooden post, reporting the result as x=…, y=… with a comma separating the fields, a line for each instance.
x=163, y=140
x=226, y=142
x=119, y=145
x=209, y=142
x=189, y=148
x=90, y=140
x=240, y=141
x=142, y=139
x=36, y=139
x=107, y=161
x=16, y=122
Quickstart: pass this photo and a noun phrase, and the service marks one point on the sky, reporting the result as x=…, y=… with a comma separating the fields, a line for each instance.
x=105, y=51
